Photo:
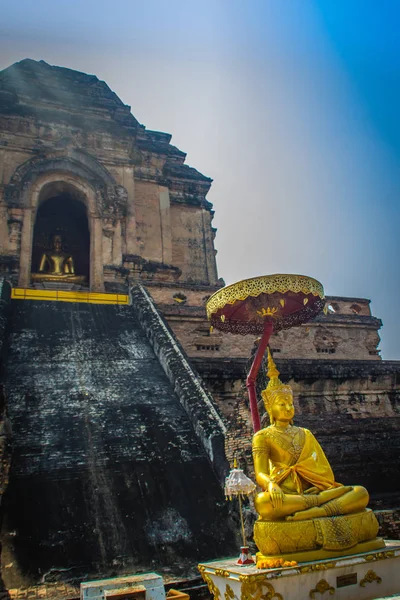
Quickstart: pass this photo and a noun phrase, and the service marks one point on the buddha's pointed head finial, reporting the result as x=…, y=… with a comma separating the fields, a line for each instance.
x=275, y=388
x=272, y=372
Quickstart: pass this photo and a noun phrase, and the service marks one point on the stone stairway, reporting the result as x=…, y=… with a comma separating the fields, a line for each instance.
x=117, y=448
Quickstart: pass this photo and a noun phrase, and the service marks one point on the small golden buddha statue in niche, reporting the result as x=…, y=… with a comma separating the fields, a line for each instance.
x=57, y=265
x=299, y=488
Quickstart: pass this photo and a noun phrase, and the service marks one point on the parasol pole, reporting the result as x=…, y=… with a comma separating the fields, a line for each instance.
x=241, y=520
x=252, y=376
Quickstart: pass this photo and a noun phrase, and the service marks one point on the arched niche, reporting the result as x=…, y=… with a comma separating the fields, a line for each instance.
x=43, y=188
x=99, y=192
x=62, y=211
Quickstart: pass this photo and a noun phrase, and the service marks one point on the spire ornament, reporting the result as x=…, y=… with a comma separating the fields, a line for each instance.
x=275, y=386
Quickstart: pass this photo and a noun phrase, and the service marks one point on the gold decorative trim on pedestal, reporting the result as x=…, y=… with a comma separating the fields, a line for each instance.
x=229, y=593
x=221, y=573
x=254, y=588
x=317, y=567
x=369, y=578
x=322, y=587
x=212, y=588
x=380, y=555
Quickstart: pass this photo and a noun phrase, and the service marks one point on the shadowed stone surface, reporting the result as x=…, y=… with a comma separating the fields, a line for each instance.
x=108, y=475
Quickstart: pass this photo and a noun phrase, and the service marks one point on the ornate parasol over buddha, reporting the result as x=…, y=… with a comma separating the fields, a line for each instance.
x=261, y=305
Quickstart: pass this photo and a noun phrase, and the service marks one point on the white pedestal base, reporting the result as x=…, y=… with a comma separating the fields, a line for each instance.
x=367, y=576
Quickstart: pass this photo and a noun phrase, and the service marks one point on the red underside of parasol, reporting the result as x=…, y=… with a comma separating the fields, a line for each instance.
x=248, y=316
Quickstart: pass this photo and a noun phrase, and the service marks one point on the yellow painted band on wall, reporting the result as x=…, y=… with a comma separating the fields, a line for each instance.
x=68, y=296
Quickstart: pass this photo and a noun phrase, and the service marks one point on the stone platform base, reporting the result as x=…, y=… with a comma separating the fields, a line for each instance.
x=365, y=576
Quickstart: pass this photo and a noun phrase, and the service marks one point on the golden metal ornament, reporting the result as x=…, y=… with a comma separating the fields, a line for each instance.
x=222, y=573
x=275, y=387
x=212, y=588
x=369, y=578
x=380, y=555
x=317, y=567
x=229, y=593
x=267, y=312
x=322, y=587
x=257, y=588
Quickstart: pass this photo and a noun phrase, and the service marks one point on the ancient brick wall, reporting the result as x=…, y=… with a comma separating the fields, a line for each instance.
x=389, y=523
x=343, y=335
x=148, y=221
x=192, y=249
x=141, y=199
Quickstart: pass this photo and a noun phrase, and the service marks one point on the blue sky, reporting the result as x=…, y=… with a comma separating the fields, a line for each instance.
x=290, y=105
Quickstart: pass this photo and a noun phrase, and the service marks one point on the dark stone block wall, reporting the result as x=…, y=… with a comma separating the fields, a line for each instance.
x=108, y=474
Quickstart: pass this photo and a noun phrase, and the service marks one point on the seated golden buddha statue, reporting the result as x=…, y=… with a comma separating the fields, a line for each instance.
x=57, y=265
x=302, y=508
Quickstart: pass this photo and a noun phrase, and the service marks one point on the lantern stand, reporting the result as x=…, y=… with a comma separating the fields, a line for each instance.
x=238, y=484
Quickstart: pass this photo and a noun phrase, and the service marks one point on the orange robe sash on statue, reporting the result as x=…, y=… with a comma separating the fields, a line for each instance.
x=312, y=467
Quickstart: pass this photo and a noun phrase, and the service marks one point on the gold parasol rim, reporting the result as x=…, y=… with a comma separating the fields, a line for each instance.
x=264, y=284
